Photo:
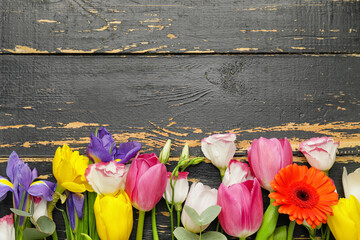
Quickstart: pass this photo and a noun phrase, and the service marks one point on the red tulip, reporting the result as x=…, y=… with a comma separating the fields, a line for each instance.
x=267, y=157
x=146, y=181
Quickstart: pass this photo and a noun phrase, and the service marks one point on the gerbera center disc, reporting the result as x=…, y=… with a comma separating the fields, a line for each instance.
x=304, y=195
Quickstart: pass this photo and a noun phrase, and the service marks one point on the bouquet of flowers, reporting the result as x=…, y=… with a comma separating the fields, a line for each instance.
x=100, y=189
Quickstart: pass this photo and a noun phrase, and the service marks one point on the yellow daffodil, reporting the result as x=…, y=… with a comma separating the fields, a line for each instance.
x=114, y=216
x=69, y=169
x=345, y=223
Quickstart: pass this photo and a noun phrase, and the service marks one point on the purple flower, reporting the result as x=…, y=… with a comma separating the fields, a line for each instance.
x=102, y=147
x=22, y=182
x=75, y=205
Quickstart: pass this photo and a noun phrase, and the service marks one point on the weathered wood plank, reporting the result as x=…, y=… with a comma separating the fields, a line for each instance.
x=46, y=101
x=168, y=26
x=205, y=172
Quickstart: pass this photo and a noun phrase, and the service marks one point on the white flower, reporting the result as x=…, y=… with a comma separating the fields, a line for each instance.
x=320, y=152
x=181, y=188
x=237, y=172
x=106, y=178
x=200, y=198
x=219, y=149
x=7, y=231
x=40, y=207
x=351, y=183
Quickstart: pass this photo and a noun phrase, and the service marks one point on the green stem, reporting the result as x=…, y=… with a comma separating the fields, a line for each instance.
x=200, y=234
x=153, y=222
x=327, y=232
x=140, y=227
x=172, y=224
x=222, y=172
x=268, y=225
x=54, y=235
x=242, y=238
x=312, y=233
x=290, y=232
x=178, y=217
x=56, y=196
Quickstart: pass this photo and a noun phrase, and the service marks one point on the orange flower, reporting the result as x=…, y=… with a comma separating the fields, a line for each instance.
x=304, y=194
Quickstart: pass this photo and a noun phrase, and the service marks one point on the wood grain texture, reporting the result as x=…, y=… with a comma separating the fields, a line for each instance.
x=46, y=101
x=169, y=26
x=205, y=172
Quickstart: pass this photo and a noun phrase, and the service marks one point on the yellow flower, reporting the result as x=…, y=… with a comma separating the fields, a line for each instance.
x=345, y=223
x=69, y=169
x=114, y=216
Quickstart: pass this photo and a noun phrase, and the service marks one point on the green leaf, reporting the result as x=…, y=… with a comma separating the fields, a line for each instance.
x=209, y=214
x=46, y=225
x=193, y=215
x=183, y=234
x=31, y=210
x=68, y=230
x=280, y=233
x=34, y=234
x=212, y=235
x=20, y=213
x=87, y=237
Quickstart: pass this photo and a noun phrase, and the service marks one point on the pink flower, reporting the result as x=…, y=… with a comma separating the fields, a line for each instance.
x=146, y=181
x=241, y=208
x=320, y=152
x=237, y=172
x=106, y=178
x=267, y=157
x=181, y=188
x=219, y=149
x=7, y=231
x=200, y=198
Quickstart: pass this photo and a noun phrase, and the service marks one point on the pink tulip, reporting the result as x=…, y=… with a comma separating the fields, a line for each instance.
x=146, y=181
x=320, y=152
x=241, y=208
x=267, y=157
x=7, y=230
x=237, y=172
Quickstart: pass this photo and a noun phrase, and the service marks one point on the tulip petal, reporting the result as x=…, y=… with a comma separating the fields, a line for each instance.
x=74, y=187
x=43, y=189
x=151, y=183
x=127, y=150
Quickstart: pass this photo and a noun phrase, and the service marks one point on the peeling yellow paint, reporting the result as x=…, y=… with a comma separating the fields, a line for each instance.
x=24, y=49
x=77, y=51
x=299, y=48
x=300, y=38
x=320, y=38
x=46, y=21
x=27, y=107
x=114, y=50
x=243, y=31
x=159, y=27
x=153, y=20
x=17, y=126
x=340, y=108
x=264, y=30
x=279, y=49
x=200, y=51
x=334, y=30
x=182, y=49
x=144, y=43
x=93, y=11
x=151, y=49
x=246, y=49
x=171, y=36
x=80, y=125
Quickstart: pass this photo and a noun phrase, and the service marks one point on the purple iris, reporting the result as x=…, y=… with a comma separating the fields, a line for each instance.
x=22, y=182
x=102, y=147
x=74, y=204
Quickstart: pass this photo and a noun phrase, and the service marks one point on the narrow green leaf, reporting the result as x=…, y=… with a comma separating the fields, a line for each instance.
x=20, y=213
x=34, y=234
x=209, y=214
x=68, y=230
x=193, y=215
x=212, y=235
x=31, y=210
x=46, y=225
x=183, y=234
x=87, y=237
x=280, y=233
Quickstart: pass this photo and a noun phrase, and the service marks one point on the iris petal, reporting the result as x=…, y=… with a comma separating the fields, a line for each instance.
x=5, y=186
x=43, y=189
x=127, y=150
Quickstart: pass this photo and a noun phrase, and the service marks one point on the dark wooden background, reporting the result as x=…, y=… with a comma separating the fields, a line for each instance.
x=159, y=69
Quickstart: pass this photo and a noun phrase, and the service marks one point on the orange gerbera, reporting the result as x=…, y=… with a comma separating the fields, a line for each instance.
x=304, y=194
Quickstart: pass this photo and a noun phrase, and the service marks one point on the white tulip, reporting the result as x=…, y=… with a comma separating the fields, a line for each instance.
x=351, y=183
x=200, y=198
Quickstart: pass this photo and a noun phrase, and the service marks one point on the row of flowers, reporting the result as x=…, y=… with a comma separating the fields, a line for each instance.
x=101, y=189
